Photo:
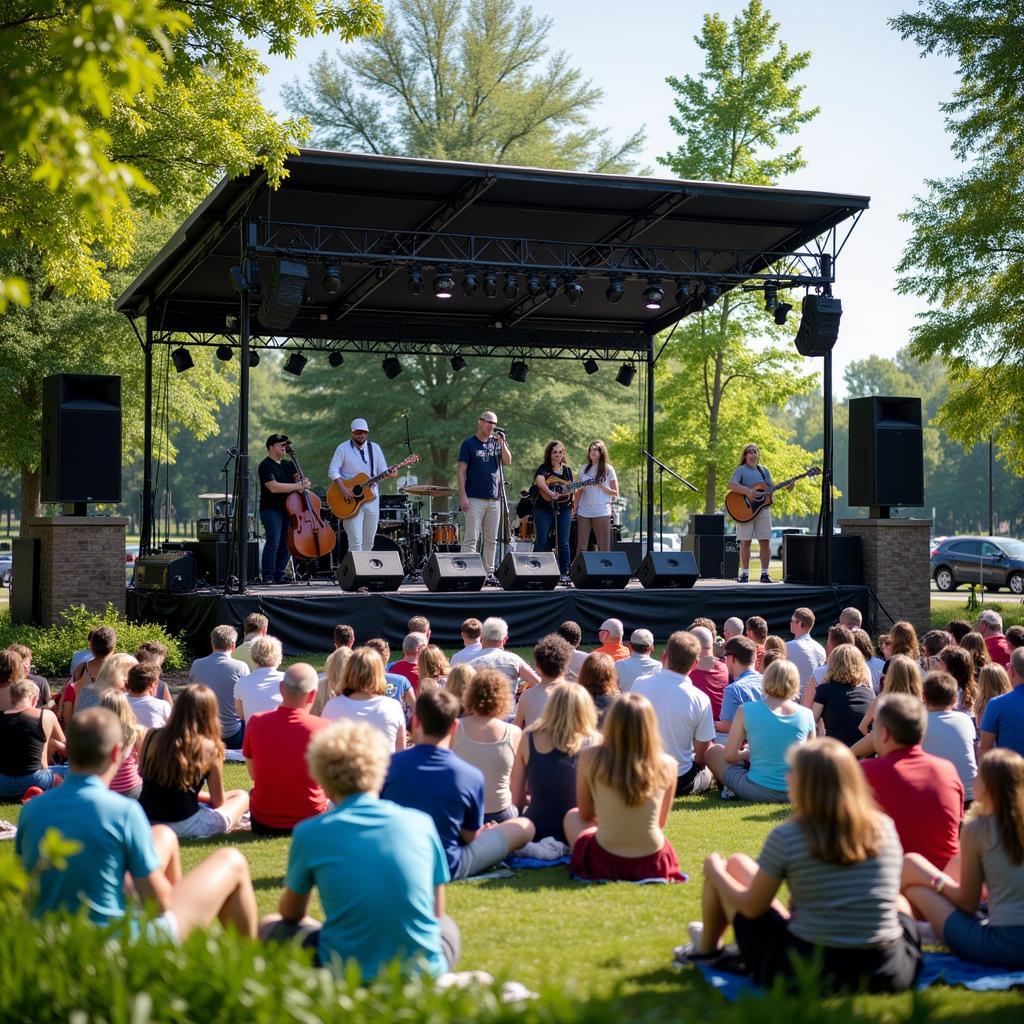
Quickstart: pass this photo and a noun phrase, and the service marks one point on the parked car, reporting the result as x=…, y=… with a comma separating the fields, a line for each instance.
x=6, y=572
x=992, y=561
x=778, y=532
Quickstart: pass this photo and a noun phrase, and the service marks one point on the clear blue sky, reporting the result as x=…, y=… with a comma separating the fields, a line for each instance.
x=880, y=131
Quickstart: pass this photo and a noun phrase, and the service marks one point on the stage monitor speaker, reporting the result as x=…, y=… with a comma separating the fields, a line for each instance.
x=213, y=558
x=886, y=453
x=371, y=570
x=707, y=525
x=284, y=295
x=819, y=325
x=803, y=560
x=600, y=570
x=81, y=439
x=662, y=570
x=529, y=570
x=24, y=584
x=172, y=571
x=448, y=571
x=709, y=554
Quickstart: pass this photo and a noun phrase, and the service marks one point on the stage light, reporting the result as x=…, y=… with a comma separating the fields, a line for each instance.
x=653, y=294
x=332, y=280
x=224, y=353
x=470, y=283
x=781, y=312
x=627, y=371
x=391, y=367
x=254, y=359
x=616, y=289
x=682, y=293
x=511, y=288
x=182, y=359
x=573, y=291
x=712, y=294
x=415, y=280
x=771, y=298
x=490, y=284
x=296, y=364
x=591, y=366
x=533, y=285
x=335, y=359
x=551, y=286
x=458, y=363
x=444, y=284
x=518, y=371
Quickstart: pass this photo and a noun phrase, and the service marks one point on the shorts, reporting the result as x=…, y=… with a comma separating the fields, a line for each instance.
x=695, y=780
x=164, y=928
x=759, y=528
x=593, y=862
x=973, y=938
x=737, y=779
x=207, y=821
x=489, y=847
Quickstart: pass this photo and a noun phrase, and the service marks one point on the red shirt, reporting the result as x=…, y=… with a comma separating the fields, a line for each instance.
x=283, y=794
x=410, y=671
x=999, y=650
x=759, y=658
x=712, y=681
x=616, y=651
x=924, y=797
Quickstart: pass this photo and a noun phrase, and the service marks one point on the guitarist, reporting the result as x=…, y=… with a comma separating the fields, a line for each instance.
x=749, y=473
x=549, y=508
x=594, y=504
x=359, y=455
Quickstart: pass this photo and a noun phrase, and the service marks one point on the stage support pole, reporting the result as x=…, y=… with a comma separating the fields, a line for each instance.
x=242, y=463
x=146, y=525
x=826, y=484
x=650, y=441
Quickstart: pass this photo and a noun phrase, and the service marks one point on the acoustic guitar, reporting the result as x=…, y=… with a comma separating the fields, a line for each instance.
x=743, y=509
x=558, y=486
x=362, y=490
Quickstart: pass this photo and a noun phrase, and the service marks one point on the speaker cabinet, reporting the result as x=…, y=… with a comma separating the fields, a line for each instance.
x=819, y=325
x=371, y=570
x=668, y=569
x=707, y=525
x=172, y=571
x=529, y=570
x=803, y=560
x=25, y=580
x=284, y=295
x=81, y=439
x=448, y=571
x=600, y=570
x=213, y=558
x=886, y=452
x=709, y=554
x=633, y=550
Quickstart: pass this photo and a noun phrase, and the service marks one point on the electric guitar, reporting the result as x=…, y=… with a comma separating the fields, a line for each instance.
x=558, y=486
x=362, y=490
x=743, y=509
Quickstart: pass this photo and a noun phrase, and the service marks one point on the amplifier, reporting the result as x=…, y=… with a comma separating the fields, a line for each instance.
x=172, y=571
x=217, y=528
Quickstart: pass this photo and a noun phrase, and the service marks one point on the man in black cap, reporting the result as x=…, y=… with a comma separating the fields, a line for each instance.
x=278, y=479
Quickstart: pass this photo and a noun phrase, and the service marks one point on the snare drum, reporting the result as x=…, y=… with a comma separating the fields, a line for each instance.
x=444, y=534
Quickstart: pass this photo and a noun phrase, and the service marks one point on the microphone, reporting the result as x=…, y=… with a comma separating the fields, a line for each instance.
x=233, y=452
x=499, y=431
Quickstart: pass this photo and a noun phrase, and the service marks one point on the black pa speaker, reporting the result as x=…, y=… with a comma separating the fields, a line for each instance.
x=668, y=569
x=81, y=435
x=284, y=295
x=819, y=325
x=886, y=452
x=600, y=570
x=213, y=558
x=529, y=570
x=708, y=553
x=447, y=571
x=707, y=525
x=371, y=570
x=172, y=571
x=803, y=560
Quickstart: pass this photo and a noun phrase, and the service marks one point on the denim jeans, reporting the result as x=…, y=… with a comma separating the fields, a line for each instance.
x=542, y=519
x=275, y=545
x=14, y=786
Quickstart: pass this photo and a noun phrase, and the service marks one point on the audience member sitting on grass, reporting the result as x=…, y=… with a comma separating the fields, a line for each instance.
x=836, y=635
x=418, y=624
x=152, y=651
x=841, y=859
x=974, y=645
x=12, y=670
x=904, y=676
x=112, y=676
x=25, y=653
x=744, y=683
x=545, y=765
x=493, y=637
x=752, y=764
x=949, y=733
x=430, y=778
x=254, y=626
x=597, y=677
x=551, y=655
x=114, y=839
x=220, y=672
x=803, y=650
x=330, y=681
x=178, y=759
x=682, y=712
x=470, y=633
x=958, y=629
x=932, y=642
x=140, y=687
x=484, y=738
x=407, y=664
x=275, y=746
x=862, y=641
x=778, y=645
x=733, y=626
x=922, y=794
x=990, y=626
x=459, y=677
x=756, y=629
x=433, y=668
x=27, y=736
x=395, y=685
x=842, y=699
x=993, y=681
x=127, y=781
x=1015, y=637
x=260, y=690
x=639, y=663
x=1003, y=724
x=709, y=673
x=851, y=618
x=571, y=633
x=992, y=855
x=344, y=636
x=102, y=643
x=379, y=868
x=960, y=665
x=364, y=697
x=902, y=639
x=610, y=634
x=718, y=648
x=624, y=791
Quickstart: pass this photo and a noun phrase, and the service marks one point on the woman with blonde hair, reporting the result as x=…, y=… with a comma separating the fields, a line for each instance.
x=178, y=759
x=112, y=675
x=624, y=791
x=433, y=667
x=841, y=859
x=904, y=676
x=127, y=781
x=598, y=677
x=843, y=697
x=993, y=681
x=459, y=678
x=329, y=682
x=364, y=697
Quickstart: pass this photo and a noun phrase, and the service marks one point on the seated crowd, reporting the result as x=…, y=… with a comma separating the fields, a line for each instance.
x=394, y=778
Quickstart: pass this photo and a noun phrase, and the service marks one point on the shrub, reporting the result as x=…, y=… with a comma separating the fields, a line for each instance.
x=52, y=646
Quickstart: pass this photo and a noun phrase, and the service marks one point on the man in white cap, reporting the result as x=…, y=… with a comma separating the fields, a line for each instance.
x=639, y=663
x=481, y=457
x=358, y=456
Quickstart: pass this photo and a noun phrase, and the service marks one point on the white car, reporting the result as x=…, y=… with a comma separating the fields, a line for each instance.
x=6, y=563
x=778, y=532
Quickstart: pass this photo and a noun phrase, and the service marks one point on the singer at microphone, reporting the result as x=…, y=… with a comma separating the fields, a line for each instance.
x=479, y=472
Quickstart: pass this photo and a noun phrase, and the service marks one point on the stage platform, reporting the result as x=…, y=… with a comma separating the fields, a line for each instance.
x=303, y=616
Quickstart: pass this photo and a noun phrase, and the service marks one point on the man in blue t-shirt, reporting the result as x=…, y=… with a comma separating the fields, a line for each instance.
x=1002, y=725
x=481, y=457
x=113, y=838
x=430, y=778
x=745, y=684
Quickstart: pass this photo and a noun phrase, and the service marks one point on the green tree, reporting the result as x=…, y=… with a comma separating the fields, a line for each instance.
x=964, y=254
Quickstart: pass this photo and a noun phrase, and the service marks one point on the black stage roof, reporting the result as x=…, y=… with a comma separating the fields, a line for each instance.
x=380, y=217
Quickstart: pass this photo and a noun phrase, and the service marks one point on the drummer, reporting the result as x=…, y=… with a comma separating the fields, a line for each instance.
x=359, y=455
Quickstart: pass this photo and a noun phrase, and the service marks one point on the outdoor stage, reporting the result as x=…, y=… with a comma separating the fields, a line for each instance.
x=303, y=616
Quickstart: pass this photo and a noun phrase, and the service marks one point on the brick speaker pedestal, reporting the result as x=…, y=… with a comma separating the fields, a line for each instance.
x=897, y=567
x=81, y=561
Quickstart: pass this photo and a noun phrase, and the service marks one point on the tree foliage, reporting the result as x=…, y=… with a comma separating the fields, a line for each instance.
x=965, y=254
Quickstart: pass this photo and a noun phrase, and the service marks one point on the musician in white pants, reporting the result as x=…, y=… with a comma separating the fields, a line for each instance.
x=748, y=474
x=352, y=457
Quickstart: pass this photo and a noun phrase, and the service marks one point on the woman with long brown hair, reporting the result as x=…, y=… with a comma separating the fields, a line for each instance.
x=549, y=509
x=841, y=858
x=598, y=678
x=592, y=504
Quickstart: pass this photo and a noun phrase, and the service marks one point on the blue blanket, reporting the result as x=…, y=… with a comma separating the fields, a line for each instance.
x=515, y=861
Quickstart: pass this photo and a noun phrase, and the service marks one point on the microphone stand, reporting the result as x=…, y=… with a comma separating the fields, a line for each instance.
x=408, y=439
x=662, y=470
x=229, y=515
x=505, y=538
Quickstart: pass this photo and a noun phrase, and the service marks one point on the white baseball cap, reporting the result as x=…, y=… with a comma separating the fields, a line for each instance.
x=360, y=424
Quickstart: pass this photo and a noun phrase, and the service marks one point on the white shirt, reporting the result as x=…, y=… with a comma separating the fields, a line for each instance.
x=383, y=713
x=950, y=735
x=150, y=712
x=807, y=654
x=875, y=666
x=593, y=502
x=508, y=663
x=349, y=460
x=630, y=669
x=259, y=691
x=684, y=713
x=572, y=673
x=468, y=653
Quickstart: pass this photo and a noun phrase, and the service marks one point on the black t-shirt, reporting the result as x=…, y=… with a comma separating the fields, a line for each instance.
x=844, y=707
x=546, y=472
x=283, y=472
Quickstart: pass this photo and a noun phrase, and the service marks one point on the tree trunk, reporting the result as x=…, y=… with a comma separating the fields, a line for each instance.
x=30, y=503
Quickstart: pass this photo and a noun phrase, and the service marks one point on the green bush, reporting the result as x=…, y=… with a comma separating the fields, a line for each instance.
x=52, y=646
x=1012, y=612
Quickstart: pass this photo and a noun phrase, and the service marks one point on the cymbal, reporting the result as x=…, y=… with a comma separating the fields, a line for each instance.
x=429, y=490
x=214, y=497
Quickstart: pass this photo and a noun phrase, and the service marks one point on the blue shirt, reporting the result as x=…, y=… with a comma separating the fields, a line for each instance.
x=115, y=838
x=396, y=686
x=770, y=736
x=1004, y=716
x=742, y=690
x=483, y=460
x=376, y=866
x=436, y=781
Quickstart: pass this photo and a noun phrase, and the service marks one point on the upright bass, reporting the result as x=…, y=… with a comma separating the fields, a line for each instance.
x=308, y=535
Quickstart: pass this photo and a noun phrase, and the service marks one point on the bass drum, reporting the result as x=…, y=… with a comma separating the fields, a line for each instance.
x=380, y=543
